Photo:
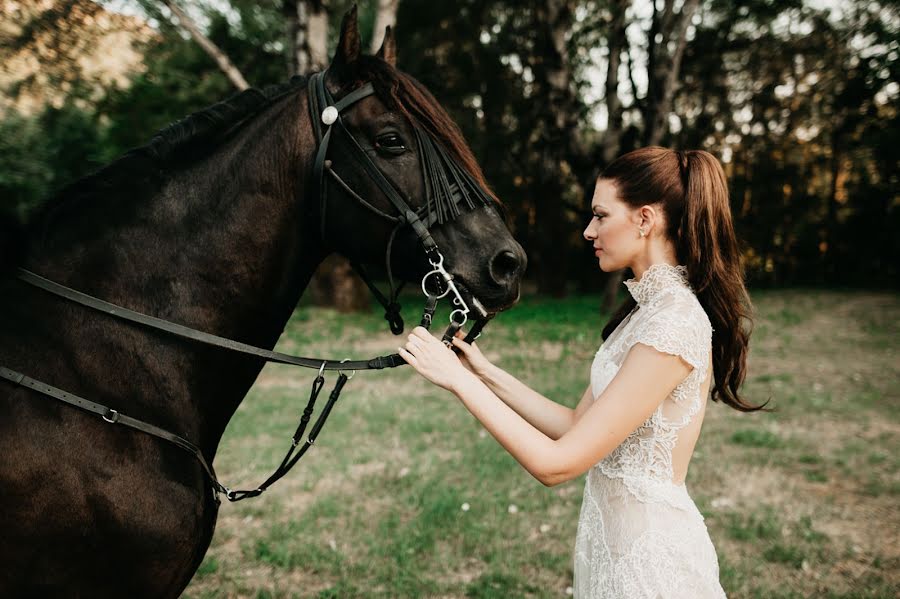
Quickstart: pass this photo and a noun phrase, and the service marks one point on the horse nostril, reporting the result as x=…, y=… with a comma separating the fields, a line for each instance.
x=504, y=265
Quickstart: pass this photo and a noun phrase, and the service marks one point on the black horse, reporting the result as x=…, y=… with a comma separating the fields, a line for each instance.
x=211, y=225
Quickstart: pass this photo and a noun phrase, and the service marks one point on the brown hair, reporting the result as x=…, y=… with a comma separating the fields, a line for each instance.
x=693, y=191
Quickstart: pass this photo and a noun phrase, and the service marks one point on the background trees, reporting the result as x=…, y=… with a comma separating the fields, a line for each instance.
x=798, y=99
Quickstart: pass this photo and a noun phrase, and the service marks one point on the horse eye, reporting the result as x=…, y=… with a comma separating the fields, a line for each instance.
x=390, y=143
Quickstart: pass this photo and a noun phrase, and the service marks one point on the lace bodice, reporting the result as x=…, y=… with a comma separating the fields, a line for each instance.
x=669, y=318
x=640, y=533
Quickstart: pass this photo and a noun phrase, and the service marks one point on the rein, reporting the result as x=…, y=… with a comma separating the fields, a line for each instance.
x=447, y=186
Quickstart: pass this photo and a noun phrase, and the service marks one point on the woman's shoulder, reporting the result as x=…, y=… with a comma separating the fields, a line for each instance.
x=680, y=306
x=678, y=325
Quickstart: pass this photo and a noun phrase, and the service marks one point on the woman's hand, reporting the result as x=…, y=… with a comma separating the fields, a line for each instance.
x=471, y=357
x=433, y=360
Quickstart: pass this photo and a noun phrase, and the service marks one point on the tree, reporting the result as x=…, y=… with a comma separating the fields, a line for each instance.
x=385, y=16
x=666, y=41
x=307, y=35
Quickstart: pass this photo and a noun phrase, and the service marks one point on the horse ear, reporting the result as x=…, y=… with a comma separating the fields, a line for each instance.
x=388, y=50
x=348, y=44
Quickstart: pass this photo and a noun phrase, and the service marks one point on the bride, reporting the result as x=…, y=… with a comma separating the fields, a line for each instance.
x=682, y=332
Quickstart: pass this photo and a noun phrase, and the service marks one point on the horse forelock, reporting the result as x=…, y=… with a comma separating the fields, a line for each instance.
x=404, y=93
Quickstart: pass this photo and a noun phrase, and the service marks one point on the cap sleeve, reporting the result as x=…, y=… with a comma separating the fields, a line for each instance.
x=685, y=332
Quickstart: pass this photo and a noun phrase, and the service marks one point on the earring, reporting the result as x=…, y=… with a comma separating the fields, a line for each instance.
x=641, y=232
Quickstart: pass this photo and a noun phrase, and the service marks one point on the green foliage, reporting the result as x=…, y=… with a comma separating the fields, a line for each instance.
x=800, y=99
x=40, y=155
x=25, y=169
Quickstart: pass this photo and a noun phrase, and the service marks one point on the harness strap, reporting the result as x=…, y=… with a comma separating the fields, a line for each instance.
x=377, y=363
x=392, y=308
x=320, y=98
x=290, y=460
x=113, y=417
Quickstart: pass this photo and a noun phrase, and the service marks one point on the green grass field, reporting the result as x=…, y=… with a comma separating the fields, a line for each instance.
x=404, y=495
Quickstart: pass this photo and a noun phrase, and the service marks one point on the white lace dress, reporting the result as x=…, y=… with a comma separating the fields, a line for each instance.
x=640, y=535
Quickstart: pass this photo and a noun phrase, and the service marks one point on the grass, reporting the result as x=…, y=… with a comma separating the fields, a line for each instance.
x=801, y=502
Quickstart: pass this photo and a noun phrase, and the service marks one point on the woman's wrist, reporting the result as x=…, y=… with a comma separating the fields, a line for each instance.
x=465, y=381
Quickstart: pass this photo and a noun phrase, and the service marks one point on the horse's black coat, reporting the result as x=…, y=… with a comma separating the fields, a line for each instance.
x=209, y=225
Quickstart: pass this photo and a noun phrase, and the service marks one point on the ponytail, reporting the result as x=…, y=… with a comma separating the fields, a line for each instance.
x=707, y=245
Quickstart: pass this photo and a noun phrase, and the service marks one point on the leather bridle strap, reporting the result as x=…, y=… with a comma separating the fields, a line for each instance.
x=290, y=458
x=377, y=363
x=320, y=99
x=113, y=417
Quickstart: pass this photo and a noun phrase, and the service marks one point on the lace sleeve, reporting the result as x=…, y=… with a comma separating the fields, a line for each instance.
x=684, y=332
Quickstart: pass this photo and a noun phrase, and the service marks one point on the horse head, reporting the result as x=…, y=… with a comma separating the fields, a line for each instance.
x=419, y=153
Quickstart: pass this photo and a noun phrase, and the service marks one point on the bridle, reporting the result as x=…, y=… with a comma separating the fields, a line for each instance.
x=447, y=185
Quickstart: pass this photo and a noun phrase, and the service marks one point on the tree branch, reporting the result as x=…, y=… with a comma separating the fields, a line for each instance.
x=234, y=75
x=617, y=43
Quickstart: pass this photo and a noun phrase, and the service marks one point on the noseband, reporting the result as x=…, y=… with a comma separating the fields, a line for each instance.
x=447, y=186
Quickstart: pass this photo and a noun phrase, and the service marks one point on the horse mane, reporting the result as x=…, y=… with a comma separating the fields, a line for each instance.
x=203, y=131
x=183, y=142
x=193, y=137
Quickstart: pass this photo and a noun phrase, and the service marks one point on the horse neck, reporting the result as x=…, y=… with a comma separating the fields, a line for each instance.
x=226, y=246
x=245, y=237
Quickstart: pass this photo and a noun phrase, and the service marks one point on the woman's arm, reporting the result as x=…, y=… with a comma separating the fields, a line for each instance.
x=625, y=404
x=551, y=418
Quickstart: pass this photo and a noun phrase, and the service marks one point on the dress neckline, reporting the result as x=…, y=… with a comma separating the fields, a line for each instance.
x=657, y=279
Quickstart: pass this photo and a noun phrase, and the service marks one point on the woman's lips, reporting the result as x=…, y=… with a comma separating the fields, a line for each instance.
x=597, y=252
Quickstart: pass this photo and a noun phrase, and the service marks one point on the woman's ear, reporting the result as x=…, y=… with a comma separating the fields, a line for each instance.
x=648, y=218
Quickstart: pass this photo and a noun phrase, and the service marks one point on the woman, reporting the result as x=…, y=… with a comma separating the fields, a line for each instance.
x=664, y=215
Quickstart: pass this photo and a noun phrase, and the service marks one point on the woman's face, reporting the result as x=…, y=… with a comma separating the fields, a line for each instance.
x=613, y=229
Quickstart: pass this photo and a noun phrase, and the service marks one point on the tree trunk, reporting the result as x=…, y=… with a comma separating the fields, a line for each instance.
x=386, y=16
x=612, y=138
x=307, y=35
x=617, y=43
x=558, y=145
x=337, y=286
x=334, y=284
x=663, y=66
x=234, y=75
x=662, y=74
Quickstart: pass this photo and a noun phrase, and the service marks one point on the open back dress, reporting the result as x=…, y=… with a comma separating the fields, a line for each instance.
x=640, y=535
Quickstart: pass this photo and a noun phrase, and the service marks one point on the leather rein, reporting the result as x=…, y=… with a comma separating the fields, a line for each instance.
x=325, y=115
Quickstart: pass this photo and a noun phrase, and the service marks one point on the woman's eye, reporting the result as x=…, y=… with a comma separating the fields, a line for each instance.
x=390, y=143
